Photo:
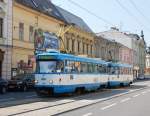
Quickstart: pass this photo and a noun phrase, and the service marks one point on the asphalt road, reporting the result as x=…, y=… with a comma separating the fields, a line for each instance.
x=129, y=101
x=133, y=104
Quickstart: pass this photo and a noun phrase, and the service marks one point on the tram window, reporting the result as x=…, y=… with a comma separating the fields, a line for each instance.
x=90, y=67
x=95, y=68
x=47, y=66
x=112, y=70
x=122, y=70
x=60, y=66
x=84, y=67
x=102, y=69
x=116, y=70
x=69, y=66
x=77, y=67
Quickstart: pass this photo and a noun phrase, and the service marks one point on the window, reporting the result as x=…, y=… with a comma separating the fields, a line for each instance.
x=101, y=69
x=78, y=46
x=73, y=47
x=1, y=27
x=83, y=48
x=90, y=67
x=91, y=49
x=31, y=34
x=69, y=66
x=87, y=48
x=47, y=67
x=50, y=66
x=21, y=31
x=84, y=67
x=67, y=43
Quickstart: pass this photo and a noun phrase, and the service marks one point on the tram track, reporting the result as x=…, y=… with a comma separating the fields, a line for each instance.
x=77, y=99
x=74, y=99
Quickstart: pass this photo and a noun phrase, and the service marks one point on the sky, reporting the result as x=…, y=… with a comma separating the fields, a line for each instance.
x=127, y=15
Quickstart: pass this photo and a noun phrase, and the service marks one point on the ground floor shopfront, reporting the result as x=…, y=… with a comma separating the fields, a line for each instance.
x=23, y=61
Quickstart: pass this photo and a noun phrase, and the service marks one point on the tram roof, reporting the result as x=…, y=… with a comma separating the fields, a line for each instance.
x=121, y=65
x=74, y=58
x=62, y=56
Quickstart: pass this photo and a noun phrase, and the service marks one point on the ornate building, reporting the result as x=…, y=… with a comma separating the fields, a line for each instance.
x=147, y=62
x=79, y=39
x=107, y=49
x=5, y=38
x=39, y=18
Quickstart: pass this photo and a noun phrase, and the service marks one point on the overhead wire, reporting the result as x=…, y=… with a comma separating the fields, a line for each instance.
x=91, y=13
x=132, y=15
x=139, y=11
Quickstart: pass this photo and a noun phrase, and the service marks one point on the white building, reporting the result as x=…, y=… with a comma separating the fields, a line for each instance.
x=147, y=61
x=5, y=38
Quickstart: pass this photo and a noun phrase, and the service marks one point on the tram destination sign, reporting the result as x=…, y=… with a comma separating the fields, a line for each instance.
x=46, y=57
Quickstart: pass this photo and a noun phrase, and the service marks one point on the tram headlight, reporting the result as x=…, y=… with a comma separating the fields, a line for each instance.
x=36, y=81
x=51, y=81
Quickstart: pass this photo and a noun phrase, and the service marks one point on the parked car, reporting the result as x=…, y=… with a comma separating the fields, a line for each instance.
x=21, y=82
x=3, y=86
x=141, y=77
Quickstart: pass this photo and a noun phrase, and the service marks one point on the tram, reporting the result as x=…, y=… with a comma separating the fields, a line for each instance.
x=58, y=73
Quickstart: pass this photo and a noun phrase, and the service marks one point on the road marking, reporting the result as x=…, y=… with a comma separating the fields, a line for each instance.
x=30, y=96
x=124, y=100
x=8, y=99
x=132, y=90
x=136, y=95
x=106, y=107
x=144, y=92
x=88, y=114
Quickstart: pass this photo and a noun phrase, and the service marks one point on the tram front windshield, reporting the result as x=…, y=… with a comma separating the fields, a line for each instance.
x=50, y=66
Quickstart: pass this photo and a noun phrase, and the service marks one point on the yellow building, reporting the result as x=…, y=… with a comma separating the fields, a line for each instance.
x=30, y=16
x=79, y=39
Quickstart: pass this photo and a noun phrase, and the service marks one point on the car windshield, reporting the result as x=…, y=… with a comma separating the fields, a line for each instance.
x=50, y=67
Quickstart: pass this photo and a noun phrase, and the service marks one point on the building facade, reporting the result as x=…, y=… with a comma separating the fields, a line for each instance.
x=24, y=28
x=147, y=62
x=111, y=50
x=5, y=38
x=79, y=39
x=107, y=49
x=139, y=47
x=135, y=45
x=44, y=17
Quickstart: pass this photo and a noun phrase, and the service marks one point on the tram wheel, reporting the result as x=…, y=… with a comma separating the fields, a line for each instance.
x=121, y=85
x=80, y=90
x=108, y=85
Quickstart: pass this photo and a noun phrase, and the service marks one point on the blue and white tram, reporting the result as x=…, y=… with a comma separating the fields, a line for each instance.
x=65, y=73
x=120, y=74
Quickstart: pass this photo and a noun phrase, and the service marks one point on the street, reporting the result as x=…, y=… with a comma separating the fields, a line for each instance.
x=130, y=101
